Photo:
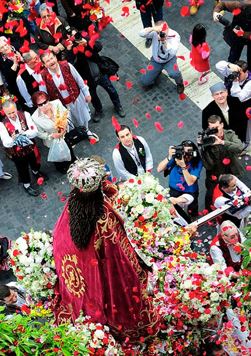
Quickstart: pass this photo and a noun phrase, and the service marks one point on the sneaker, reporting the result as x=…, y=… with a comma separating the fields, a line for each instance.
x=40, y=174
x=93, y=138
x=6, y=176
x=148, y=43
x=31, y=191
x=98, y=115
x=180, y=88
x=119, y=110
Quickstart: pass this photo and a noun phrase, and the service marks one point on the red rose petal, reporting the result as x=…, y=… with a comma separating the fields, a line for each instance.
x=149, y=67
x=248, y=113
x=236, y=12
x=115, y=123
x=128, y=84
x=148, y=115
x=226, y=161
x=158, y=126
x=182, y=96
x=40, y=180
x=184, y=11
x=158, y=108
x=93, y=141
x=180, y=124
x=135, y=122
x=142, y=71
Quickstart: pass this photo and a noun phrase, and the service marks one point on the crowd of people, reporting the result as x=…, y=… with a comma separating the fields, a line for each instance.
x=50, y=68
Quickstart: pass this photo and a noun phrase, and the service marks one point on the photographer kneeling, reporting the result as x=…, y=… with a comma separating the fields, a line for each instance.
x=183, y=165
x=219, y=152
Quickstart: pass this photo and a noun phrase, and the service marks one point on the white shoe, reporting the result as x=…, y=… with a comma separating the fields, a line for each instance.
x=6, y=176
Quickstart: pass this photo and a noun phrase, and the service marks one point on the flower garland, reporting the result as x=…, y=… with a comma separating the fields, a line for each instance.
x=31, y=257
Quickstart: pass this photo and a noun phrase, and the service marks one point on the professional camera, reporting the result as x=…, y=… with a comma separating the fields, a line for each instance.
x=162, y=34
x=205, y=137
x=180, y=152
x=232, y=77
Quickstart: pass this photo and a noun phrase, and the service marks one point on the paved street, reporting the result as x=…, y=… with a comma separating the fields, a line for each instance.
x=19, y=212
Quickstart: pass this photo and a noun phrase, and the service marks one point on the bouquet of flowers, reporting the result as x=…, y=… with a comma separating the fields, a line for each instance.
x=148, y=222
x=31, y=257
x=61, y=120
x=190, y=295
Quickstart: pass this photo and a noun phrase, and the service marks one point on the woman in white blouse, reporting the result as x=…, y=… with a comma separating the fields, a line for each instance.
x=44, y=118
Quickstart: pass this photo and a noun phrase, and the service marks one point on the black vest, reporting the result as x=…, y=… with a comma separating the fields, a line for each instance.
x=232, y=210
x=127, y=159
x=29, y=82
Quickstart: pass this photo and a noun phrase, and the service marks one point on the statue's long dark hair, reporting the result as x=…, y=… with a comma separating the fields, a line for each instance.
x=85, y=209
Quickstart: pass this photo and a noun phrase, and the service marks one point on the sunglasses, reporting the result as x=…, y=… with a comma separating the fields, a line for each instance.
x=43, y=103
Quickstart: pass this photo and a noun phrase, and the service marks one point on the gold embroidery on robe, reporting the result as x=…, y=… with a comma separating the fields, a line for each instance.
x=72, y=275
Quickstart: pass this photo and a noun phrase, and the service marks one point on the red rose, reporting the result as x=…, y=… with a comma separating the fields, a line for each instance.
x=25, y=309
x=16, y=253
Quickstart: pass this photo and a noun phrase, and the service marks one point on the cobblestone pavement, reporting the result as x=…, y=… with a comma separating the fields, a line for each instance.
x=19, y=212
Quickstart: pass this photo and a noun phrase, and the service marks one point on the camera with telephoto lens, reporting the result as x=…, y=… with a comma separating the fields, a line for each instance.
x=162, y=34
x=180, y=152
x=205, y=137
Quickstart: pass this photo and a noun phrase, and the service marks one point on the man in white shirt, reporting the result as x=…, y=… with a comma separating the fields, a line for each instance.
x=63, y=82
x=29, y=79
x=230, y=188
x=165, y=43
x=132, y=155
x=16, y=132
x=241, y=86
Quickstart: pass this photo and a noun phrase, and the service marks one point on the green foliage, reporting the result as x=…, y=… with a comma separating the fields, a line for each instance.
x=24, y=335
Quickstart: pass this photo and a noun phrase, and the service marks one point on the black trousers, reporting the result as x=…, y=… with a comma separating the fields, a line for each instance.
x=105, y=83
x=22, y=165
x=210, y=185
x=192, y=208
x=235, y=53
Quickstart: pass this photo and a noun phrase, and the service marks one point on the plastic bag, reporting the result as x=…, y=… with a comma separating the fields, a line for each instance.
x=59, y=151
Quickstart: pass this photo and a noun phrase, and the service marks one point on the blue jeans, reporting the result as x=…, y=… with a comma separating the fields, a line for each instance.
x=151, y=75
x=146, y=17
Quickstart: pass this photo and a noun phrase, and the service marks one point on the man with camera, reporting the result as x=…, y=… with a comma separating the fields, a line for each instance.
x=228, y=108
x=219, y=152
x=183, y=165
x=165, y=43
x=236, y=34
x=238, y=78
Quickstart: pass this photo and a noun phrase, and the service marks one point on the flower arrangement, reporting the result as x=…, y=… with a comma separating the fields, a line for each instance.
x=190, y=295
x=24, y=335
x=31, y=257
x=61, y=120
x=148, y=222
